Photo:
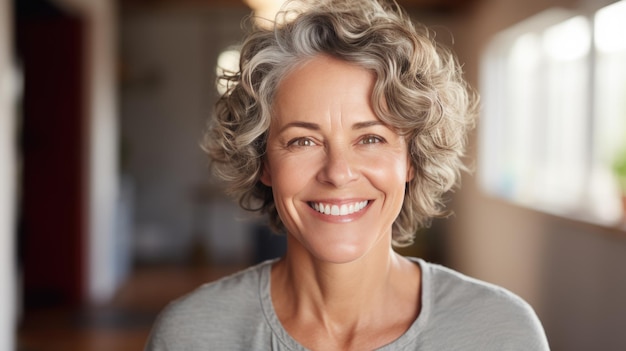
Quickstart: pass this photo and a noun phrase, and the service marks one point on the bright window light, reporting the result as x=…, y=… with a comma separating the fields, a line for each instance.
x=569, y=40
x=227, y=62
x=610, y=105
x=554, y=114
x=610, y=28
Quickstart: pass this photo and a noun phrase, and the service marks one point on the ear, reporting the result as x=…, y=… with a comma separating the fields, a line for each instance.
x=410, y=173
x=410, y=170
x=266, y=175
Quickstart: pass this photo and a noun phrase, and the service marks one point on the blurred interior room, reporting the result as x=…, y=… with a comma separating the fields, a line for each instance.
x=108, y=210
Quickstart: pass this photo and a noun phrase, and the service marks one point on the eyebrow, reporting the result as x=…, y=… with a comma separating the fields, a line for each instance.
x=300, y=124
x=363, y=125
x=315, y=126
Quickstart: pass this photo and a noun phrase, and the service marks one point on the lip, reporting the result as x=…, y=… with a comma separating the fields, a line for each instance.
x=336, y=202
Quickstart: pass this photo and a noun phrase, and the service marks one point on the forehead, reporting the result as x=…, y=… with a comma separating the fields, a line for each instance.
x=325, y=83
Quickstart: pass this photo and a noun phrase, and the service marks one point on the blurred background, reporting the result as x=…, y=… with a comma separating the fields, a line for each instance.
x=107, y=209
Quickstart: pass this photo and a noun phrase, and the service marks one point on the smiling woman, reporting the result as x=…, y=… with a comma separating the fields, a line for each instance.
x=345, y=124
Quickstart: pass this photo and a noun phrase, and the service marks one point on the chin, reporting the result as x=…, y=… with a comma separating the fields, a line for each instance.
x=339, y=255
x=339, y=251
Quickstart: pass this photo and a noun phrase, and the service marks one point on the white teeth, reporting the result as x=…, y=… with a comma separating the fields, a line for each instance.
x=343, y=210
x=335, y=210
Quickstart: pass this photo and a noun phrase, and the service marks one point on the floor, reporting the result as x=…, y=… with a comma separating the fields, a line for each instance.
x=121, y=325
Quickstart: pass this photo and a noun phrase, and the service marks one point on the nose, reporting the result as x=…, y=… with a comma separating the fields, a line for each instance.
x=339, y=167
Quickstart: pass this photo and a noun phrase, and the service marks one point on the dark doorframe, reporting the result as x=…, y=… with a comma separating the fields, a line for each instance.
x=52, y=226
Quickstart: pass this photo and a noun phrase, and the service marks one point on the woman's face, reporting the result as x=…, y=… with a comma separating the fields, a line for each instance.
x=337, y=172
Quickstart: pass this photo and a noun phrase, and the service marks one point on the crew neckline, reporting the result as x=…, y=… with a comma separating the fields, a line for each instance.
x=402, y=341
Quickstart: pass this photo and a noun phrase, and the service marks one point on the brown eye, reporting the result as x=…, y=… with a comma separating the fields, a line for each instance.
x=301, y=142
x=371, y=139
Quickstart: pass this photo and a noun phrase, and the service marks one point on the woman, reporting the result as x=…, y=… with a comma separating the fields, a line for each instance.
x=346, y=125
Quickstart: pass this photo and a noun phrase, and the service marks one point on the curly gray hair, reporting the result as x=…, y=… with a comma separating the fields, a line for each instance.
x=419, y=92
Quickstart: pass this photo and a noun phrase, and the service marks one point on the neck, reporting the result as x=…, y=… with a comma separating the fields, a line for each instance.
x=351, y=293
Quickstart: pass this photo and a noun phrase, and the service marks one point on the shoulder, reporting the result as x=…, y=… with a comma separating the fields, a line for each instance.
x=452, y=287
x=484, y=314
x=227, y=294
x=220, y=310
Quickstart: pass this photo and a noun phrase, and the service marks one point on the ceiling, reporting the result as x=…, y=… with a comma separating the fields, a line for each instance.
x=423, y=5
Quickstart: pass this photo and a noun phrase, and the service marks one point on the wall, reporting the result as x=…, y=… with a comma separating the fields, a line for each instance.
x=7, y=181
x=572, y=273
x=168, y=58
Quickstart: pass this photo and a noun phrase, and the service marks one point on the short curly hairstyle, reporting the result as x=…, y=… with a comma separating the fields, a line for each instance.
x=419, y=92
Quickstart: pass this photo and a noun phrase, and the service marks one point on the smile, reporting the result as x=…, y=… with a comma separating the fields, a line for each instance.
x=338, y=210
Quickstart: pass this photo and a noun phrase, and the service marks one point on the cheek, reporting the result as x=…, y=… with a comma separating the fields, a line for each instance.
x=390, y=171
x=289, y=176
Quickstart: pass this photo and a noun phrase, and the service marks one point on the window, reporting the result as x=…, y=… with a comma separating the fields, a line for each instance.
x=554, y=113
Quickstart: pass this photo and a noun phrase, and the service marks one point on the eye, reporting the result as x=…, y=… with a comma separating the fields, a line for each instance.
x=371, y=139
x=301, y=142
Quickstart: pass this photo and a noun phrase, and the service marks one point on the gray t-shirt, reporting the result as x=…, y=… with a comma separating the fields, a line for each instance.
x=458, y=313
